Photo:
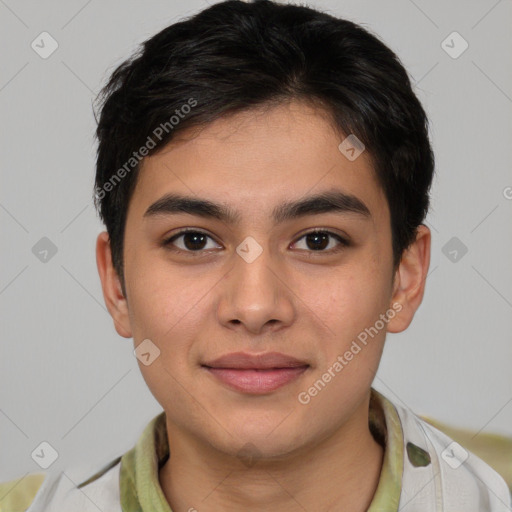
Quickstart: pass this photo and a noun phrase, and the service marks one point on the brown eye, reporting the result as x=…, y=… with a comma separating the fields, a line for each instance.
x=318, y=241
x=192, y=241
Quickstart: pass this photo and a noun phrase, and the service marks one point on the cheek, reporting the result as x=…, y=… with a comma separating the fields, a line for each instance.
x=346, y=302
x=163, y=299
x=167, y=309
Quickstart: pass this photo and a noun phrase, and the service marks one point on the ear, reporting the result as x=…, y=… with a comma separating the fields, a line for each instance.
x=409, y=283
x=112, y=291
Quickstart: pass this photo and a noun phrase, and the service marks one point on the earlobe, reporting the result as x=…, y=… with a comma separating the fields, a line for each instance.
x=112, y=291
x=409, y=284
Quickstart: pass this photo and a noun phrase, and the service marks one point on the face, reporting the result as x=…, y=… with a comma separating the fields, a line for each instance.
x=291, y=255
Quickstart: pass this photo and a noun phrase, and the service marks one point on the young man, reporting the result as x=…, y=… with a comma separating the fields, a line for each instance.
x=263, y=172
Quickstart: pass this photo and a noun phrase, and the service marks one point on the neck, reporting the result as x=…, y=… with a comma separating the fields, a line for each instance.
x=197, y=477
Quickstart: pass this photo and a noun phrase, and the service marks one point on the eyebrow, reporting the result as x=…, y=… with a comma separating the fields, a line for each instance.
x=333, y=201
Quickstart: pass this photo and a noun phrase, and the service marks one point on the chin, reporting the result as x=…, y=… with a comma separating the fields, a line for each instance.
x=266, y=442
x=250, y=451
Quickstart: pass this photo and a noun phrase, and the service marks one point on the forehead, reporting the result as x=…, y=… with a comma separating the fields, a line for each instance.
x=255, y=160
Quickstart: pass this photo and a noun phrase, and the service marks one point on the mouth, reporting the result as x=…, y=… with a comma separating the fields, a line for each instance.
x=256, y=373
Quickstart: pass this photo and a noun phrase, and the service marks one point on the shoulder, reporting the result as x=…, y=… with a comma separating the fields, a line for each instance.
x=452, y=475
x=494, y=449
x=16, y=495
x=57, y=492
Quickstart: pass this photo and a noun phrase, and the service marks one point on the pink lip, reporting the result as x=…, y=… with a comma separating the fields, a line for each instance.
x=256, y=373
x=257, y=381
x=244, y=361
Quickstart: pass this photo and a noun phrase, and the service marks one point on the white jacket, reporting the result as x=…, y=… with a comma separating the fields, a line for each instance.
x=450, y=483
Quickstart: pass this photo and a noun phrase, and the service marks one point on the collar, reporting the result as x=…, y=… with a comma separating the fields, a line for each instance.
x=140, y=488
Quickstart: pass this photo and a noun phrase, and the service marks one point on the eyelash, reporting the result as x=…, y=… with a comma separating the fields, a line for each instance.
x=167, y=243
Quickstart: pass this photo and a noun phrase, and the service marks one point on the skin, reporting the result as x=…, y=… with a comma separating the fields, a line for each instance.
x=312, y=307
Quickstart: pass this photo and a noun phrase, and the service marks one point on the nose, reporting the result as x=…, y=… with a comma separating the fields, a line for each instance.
x=255, y=296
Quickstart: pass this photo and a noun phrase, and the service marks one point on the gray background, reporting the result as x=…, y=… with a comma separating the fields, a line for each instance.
x=67, y=378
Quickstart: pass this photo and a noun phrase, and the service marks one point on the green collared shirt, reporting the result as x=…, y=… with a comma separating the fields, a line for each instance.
x=421, y=466
x=141, y=491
